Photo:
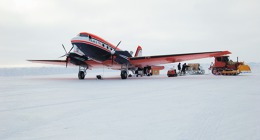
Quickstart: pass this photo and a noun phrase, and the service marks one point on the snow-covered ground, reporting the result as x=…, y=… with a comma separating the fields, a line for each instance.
x=36, y=104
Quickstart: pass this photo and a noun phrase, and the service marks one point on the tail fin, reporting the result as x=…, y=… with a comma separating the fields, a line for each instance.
x=138, y=51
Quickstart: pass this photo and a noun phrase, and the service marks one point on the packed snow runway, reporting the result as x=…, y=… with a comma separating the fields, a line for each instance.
x=58, y=107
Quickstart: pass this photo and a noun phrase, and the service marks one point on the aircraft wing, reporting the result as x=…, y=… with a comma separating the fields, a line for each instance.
x=164, y=59
x=90, y=63
x=53, y=62
x=141, y=61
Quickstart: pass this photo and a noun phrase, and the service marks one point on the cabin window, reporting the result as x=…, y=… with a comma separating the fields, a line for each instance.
x=218, y=59
x=225, y=59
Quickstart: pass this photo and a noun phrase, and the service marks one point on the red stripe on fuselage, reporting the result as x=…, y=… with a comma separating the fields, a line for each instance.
x=100, y=39
x=90, y=43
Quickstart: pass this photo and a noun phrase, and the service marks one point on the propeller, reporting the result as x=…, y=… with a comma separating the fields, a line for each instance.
x=67, y=54
x=113, y=52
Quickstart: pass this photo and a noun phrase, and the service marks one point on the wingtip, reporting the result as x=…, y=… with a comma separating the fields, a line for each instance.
x=227, y=52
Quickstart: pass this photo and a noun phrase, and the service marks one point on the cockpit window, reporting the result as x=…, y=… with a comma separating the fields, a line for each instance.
x=83, y=35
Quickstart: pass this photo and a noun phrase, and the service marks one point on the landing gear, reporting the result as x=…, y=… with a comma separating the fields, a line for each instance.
x=82, y=72
x=81, y=75
x=124, y=74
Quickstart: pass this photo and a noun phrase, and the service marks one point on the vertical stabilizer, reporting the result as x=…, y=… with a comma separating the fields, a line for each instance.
x=138, y=51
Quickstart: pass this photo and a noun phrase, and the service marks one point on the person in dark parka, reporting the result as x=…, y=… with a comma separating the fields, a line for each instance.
x=179, y=67
x=183, y=70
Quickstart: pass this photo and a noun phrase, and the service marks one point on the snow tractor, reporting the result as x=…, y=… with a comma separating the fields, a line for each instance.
x=224, y=66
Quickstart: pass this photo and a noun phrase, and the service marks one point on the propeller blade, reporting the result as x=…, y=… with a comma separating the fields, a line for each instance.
x=118, y=44
x=66, y=62
x=71, y=48
x=63, y=55
x=64, y=48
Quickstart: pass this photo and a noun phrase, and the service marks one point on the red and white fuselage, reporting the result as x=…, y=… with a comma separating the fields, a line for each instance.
x=93, y=46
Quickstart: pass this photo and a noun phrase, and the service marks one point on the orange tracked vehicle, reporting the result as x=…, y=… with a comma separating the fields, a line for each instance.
x=224, y=66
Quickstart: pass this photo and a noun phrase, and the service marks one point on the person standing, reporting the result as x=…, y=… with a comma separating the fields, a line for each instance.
x=183, y=70
x=179, y=68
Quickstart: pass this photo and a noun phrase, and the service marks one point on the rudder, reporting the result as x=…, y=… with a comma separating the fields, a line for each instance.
x=138, y=51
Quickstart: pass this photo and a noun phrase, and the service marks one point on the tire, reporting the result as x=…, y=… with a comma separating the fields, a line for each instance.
x=99, y=77
x=215, y=71
x=123, y=74
x=81, y=75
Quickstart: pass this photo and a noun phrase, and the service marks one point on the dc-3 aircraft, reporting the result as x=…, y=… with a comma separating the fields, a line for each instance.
x=91, y=51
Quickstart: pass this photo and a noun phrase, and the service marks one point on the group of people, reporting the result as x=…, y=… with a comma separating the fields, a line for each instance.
x=182, y=70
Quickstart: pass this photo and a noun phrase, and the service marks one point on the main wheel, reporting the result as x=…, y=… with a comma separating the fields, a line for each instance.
x=123, y=74
x=99, y=77
x=81, y=75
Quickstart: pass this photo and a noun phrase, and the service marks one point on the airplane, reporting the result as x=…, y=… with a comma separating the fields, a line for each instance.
x=90, y=51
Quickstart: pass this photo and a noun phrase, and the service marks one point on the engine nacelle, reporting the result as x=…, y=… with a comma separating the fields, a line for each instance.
x=77, y=59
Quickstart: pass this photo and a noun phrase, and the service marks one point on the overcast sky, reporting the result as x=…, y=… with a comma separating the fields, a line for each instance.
x=35, y=29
